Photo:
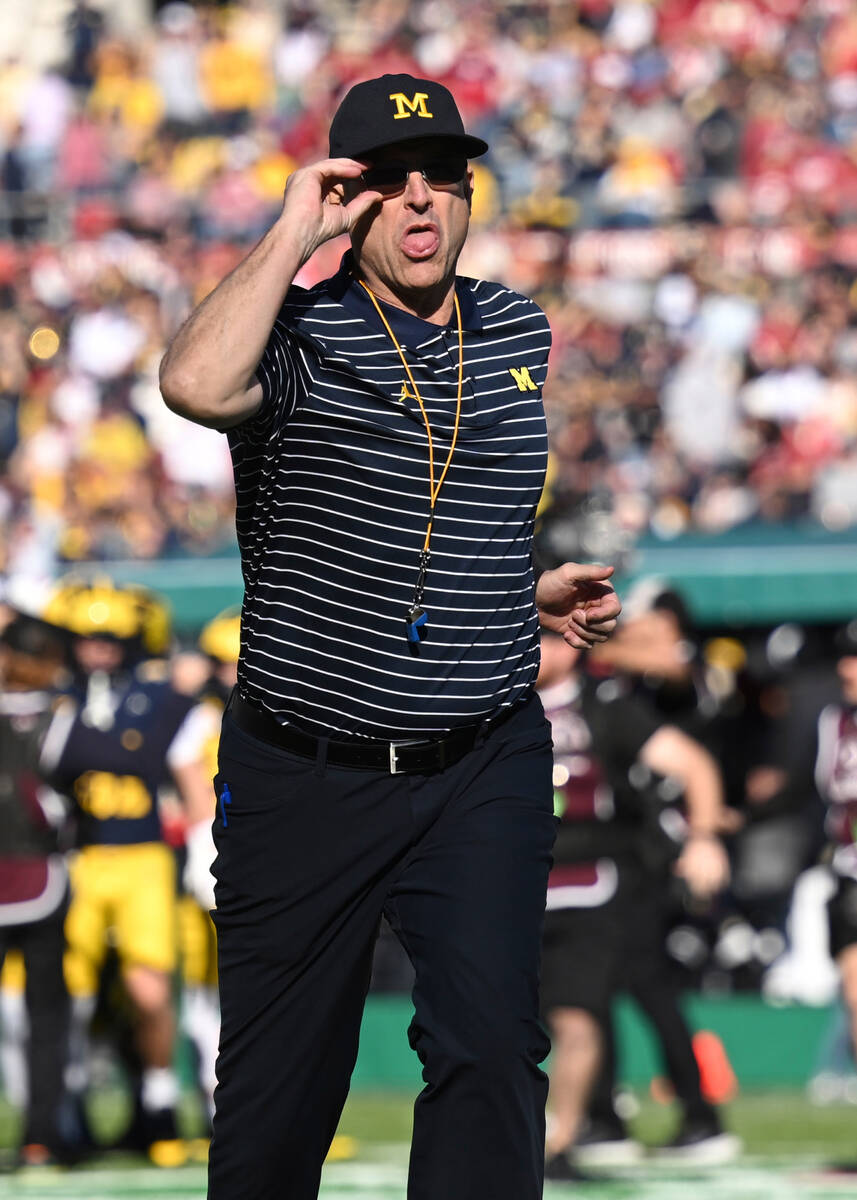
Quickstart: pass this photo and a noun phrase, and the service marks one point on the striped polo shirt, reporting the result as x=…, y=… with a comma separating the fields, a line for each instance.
x=332, y=486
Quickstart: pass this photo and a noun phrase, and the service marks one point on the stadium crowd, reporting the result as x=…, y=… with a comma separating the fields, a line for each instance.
x=676, y=184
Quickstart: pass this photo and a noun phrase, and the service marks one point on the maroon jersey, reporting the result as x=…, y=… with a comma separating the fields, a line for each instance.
x=598, y=731
x=836, y=779
x=581, y=790
x=33, y=879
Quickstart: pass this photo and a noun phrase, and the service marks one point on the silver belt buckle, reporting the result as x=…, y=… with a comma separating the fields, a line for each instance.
x=394, y=758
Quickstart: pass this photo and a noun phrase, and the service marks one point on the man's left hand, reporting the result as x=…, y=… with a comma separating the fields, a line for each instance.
x=578, y=601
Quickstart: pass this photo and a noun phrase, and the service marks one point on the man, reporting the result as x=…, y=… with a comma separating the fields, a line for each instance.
x=383, y=751
x=130, y=734
x=210, y=677
x=608, y=746
x=816, y=755
x=34, y=880
x=656, y=660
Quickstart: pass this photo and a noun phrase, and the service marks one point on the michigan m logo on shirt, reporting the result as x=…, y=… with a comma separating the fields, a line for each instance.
x=524, y=379
x=410, y=108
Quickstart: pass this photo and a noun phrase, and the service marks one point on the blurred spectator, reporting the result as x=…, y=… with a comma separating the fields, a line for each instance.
x=45, y=111
x=235, y=80
x=84, y=26
x=14, y=180
x=811, y=768
x=175, y=68
x=82, y=163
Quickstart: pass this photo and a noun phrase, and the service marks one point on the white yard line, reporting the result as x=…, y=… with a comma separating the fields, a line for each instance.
x=757, y=1179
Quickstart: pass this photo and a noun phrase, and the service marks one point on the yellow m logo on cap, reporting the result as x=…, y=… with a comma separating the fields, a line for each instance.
x=410, y=108
x=523, y=378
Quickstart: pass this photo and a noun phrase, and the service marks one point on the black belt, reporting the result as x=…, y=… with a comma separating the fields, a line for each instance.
x=398, y=758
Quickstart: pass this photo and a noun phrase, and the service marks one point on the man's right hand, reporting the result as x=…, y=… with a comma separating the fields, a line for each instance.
x=208, y=373
x=314, y=207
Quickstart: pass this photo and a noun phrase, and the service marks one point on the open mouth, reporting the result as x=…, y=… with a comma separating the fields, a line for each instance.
x=420, y=241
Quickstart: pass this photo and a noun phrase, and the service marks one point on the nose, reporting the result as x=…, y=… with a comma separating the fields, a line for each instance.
x=417, y=191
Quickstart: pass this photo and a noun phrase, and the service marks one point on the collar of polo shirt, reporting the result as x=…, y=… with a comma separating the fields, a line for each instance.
x=410, y=329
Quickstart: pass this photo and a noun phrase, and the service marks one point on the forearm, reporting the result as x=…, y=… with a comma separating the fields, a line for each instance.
x=196, y=792
x=704, y=797
x=207, y=372
x=670, y=752
x=703, y=862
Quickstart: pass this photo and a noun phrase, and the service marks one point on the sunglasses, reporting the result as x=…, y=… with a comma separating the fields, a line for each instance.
x=391, y=177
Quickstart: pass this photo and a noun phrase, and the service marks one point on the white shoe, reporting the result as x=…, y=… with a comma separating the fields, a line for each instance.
x=603, y=1144
x=702, y=1145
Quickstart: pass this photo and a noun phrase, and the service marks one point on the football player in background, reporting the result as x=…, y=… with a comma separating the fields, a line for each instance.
x=818, y=758
x=659, y=665
x=607, y=744
x=210, y=676
x=132, y=734
x=33, y=890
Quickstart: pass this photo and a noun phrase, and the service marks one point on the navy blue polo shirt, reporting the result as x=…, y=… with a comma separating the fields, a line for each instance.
x=332, y=484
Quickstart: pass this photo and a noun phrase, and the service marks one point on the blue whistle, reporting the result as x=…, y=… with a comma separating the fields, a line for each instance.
x=415, y=619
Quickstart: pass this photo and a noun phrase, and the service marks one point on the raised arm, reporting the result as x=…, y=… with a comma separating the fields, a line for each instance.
x=207, y=374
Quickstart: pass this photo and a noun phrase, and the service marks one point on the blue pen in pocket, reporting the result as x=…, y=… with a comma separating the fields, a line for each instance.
x=224, y=798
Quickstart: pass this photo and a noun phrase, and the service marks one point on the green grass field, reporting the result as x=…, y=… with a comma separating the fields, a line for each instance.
x=791, y=1150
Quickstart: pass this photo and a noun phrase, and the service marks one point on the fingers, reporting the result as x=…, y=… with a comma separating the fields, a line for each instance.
x=577, y=601
x=360, y=205
x=584, y=633
x=314, y=205
x=605, y=610
x=573, y=571
x=338, y=168
x=588, y=583
x=593, y=621
x=324, y=175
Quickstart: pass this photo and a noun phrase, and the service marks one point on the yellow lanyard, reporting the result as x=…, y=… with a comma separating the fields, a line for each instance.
x=416, y=617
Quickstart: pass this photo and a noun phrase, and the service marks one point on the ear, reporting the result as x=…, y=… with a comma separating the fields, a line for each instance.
x=336, y=194
x=468, y=187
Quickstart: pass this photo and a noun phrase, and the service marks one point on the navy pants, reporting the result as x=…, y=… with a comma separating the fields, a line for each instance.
x=308, y=858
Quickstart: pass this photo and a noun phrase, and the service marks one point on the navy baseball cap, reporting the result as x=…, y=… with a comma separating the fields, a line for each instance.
x=397, y=108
